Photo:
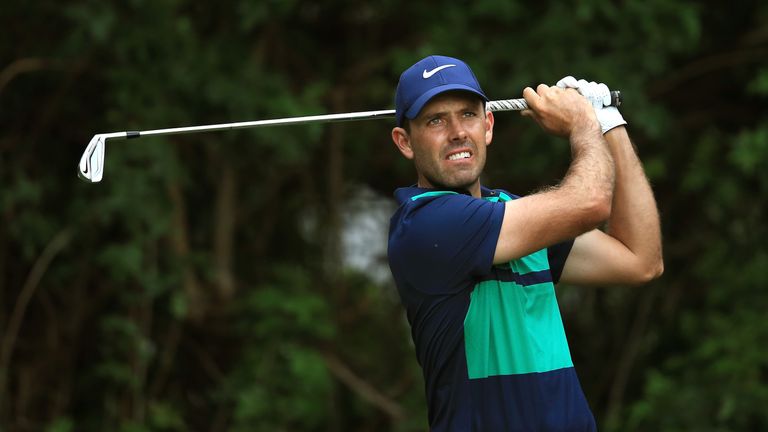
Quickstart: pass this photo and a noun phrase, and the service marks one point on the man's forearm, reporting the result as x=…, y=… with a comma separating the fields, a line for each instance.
x=634, y=216
x=582, y=200
x=592, y=169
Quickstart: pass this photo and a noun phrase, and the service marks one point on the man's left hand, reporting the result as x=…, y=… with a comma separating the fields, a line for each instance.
x=599, y=96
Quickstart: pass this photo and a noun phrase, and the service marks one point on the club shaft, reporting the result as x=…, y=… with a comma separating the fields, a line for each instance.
x=326, y=118
x=496, y=105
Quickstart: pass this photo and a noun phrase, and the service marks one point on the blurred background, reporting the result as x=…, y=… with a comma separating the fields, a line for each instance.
x=237, y=281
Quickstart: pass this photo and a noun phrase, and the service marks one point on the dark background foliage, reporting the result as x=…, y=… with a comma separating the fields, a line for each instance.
x=210, y=282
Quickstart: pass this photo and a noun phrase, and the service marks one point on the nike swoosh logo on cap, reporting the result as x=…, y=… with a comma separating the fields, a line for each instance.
x=428, y=74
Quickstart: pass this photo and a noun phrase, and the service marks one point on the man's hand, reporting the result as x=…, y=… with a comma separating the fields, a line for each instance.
x=582, y=200
x=559, y=111
x=599, y=96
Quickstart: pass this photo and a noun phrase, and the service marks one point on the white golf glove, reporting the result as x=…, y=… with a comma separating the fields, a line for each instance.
x=599, y=96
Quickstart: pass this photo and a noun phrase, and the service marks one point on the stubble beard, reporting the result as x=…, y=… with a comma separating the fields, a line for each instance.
x=459, y=180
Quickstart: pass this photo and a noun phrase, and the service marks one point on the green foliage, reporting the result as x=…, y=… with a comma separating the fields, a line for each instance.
x=751, y=147
x=714, y=380
x=718, y=385
x=282, y=323
x=61, y=425
x=134, y=326
x=165, y=417
x=759, y=85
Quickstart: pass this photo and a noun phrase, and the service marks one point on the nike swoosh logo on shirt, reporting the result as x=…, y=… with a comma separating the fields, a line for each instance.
x=428, y=74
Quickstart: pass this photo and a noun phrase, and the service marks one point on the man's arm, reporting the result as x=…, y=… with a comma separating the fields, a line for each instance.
x=582, y=200
x=629, y=251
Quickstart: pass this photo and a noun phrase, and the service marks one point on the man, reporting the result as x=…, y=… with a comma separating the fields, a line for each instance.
x=476, y=267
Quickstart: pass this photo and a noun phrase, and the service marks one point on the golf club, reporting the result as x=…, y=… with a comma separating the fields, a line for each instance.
x=91, y=167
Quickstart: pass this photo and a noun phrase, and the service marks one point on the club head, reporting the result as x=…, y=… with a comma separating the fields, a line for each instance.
x=91, y=167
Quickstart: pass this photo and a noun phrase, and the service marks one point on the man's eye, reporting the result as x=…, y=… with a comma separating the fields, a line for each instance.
x=434, y=121
x=470, y=114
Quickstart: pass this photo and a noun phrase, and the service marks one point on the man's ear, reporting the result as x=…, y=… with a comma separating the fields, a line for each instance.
x=403, y=142
x=488, y=127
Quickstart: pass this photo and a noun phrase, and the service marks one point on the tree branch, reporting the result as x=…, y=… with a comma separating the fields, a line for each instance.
x=56, y=245
x=22, y=66
x=628, y=357
x=703, y=66
x=362, y=388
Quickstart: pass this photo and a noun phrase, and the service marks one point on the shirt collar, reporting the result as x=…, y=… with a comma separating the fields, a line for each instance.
x=406, y=193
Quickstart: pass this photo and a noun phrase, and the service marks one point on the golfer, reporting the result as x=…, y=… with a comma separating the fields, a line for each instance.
x=475, y=267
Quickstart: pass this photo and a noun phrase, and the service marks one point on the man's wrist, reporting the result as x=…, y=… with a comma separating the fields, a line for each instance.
x=585, y=134
x=590, y=121
x=609, y=118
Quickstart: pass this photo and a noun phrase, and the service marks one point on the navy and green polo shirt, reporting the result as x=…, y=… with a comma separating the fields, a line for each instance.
x=489, y=338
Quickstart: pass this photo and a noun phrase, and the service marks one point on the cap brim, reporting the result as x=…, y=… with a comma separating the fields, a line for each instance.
x=416, y=107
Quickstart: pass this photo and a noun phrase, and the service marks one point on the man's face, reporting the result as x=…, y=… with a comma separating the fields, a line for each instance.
x=447, y=141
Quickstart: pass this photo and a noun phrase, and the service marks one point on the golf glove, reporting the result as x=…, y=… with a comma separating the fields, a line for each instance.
x=599, y=96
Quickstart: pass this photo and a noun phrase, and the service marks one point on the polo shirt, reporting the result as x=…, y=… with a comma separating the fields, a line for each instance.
x=489, y=338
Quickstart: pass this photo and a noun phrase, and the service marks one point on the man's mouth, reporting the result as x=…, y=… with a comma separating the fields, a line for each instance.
x=459, y=155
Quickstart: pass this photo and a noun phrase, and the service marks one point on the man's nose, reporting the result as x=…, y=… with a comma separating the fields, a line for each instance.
x=458, y=131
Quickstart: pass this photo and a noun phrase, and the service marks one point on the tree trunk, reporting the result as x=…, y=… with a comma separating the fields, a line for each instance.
x=179, y=239
x=333, y=228
x=224, y=232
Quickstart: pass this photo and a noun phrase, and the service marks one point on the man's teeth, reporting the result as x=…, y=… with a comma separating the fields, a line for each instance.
x=460, y=155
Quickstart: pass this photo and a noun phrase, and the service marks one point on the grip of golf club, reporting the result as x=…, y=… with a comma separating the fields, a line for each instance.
x=520, y=104
x=615, y=98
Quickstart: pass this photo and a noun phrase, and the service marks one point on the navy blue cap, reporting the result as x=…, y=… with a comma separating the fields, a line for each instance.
x=428, y=78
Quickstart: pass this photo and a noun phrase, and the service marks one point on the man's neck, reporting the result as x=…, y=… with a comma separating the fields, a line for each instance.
x=473, y=189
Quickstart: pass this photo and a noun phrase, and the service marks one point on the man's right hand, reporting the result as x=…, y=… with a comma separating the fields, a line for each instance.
x=582, y=200
x=561, y=112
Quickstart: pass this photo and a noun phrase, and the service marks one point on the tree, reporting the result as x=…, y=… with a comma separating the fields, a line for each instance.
x=202, y=284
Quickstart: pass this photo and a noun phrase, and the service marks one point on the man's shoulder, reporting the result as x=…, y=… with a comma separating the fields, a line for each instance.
x=497, y=194
x=424, y=207
x=437, y=229
x=436, y=210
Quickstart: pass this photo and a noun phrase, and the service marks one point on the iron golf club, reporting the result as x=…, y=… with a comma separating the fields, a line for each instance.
x=91, y=167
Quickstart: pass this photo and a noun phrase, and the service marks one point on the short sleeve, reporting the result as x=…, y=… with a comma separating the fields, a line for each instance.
x=557, y=255
x=436, y=244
